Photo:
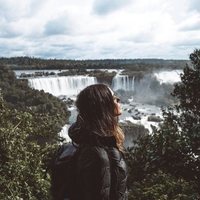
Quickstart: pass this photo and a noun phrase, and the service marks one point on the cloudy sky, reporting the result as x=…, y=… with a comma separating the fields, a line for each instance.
x=99, y=29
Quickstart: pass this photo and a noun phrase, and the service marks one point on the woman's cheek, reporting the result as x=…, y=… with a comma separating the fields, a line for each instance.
x=118, y=110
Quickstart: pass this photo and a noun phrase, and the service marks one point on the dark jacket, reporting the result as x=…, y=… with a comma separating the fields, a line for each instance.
x=101, y=169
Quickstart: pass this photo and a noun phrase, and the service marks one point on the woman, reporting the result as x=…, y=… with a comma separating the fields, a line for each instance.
x=101, y=170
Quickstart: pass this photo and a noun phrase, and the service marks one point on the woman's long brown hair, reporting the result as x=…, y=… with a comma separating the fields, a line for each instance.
x=96, y=107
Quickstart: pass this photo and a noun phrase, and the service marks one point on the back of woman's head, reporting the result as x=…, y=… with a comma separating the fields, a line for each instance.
x=96, y=107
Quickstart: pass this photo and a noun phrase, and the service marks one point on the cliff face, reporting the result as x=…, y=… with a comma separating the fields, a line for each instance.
x=132, y=133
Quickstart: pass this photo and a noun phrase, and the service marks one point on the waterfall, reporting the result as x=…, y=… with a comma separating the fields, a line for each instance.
x=64, y=133
x=123, y=82
x=170, y=77
x=64, y=85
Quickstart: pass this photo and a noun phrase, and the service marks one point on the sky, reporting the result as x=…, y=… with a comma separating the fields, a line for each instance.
x=99, y=29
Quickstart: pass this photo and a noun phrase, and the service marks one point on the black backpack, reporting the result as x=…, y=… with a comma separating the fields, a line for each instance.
x=63, y=173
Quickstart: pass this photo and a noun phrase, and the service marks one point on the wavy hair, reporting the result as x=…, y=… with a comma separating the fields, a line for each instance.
x=96, y=108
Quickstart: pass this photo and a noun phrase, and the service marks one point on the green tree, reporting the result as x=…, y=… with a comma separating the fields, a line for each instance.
x=22, y=160
x=18, y=95
x=162, y=186
x=173, y=149
x=30, y=121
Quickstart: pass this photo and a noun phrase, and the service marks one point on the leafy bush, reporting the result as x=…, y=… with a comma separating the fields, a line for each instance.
x=22, y=173
x=162, y=186
x=30, y=121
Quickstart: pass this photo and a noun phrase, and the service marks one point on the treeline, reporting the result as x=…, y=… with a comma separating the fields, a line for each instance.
x=134, y=64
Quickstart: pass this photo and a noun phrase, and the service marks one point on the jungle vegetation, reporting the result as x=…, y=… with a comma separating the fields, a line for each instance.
x=162, y=166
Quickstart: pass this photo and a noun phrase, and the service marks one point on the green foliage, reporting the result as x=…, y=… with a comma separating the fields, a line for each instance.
x=20, y=96
x=130, y=64
x=30, y=121
x=22, y=173
x=162, y=186
x=161, y=166
x=188, y=112
x=165, y=165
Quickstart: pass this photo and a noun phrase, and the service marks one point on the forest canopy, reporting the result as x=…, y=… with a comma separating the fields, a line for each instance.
x=133, y=64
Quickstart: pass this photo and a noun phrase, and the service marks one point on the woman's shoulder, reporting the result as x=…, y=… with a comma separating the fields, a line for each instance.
x=96, y=153
x=114, y=153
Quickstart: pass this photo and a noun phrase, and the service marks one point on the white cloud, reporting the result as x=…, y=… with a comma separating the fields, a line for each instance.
x=60, y=25
x=102, y=7
x=194, y=5
x=93, y=29
x=191, y=24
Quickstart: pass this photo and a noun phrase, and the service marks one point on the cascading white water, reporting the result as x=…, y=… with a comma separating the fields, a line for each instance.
x=65, y=85
x=71, y=85
x=123, y=82
x=170, y=77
